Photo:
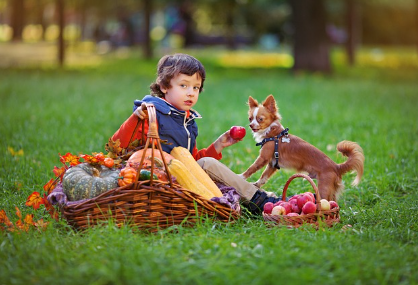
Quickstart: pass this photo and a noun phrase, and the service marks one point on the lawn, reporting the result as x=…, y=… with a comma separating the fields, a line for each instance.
x=46, y=111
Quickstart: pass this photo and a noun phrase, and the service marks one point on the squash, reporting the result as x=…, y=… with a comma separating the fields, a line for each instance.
x=85, y=181
x=187, y=180
x=184, y=156
x=127, y=176
x=135, y=158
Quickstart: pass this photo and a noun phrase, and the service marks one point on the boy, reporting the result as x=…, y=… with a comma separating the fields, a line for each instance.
x=179, y=82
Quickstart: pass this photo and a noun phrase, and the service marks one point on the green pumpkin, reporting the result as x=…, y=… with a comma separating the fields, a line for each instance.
x=86, y=181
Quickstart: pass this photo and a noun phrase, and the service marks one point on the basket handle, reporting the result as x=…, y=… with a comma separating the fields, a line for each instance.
x=154, y=139
x=300, y=175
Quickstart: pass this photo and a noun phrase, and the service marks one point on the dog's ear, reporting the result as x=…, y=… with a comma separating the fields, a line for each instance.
x=252, y=103
x=270, y=104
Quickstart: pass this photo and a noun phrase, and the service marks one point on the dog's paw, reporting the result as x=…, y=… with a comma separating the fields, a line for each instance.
x=258, y=184
x=242, y=176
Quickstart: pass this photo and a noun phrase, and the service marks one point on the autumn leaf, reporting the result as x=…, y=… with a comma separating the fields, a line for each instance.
x=15, y=153
x=113, y=148
x=50, y=185
x=29, y=219
x=41, y=224
x=35, y=200
x=18, y=213
x=70, y=158
x=4, y=219
x=59, y=172
x=89, y=158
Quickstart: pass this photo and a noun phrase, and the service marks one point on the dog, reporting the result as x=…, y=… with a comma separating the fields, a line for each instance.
x=279, y=149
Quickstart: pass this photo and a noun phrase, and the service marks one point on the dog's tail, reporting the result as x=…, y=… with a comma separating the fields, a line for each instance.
x=355, y=161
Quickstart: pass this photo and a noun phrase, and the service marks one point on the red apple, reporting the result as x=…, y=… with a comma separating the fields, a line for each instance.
x=278, y=211
x=295, y=197
x=293, y=214
x=333, y=204
x=278, y=203
x=309, y=208
x=325, y=206
x=268, y=207
x=287, y=207
x=310, y=195
x=302, y=199
x=294, y=204
x=237, y=132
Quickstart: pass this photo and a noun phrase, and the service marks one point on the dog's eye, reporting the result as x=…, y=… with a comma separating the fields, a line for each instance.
x=259, y=119
x=250, y=119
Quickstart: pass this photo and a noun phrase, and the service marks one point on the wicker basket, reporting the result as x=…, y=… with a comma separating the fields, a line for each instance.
x=150, y=205
x=320, y=217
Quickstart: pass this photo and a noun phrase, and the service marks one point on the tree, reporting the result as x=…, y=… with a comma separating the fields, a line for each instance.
x=17, y=19
x=311, y=45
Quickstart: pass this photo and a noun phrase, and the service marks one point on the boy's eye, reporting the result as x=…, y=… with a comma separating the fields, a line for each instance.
x=196, y=88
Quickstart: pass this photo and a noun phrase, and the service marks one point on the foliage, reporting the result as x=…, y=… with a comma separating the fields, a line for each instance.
x=45, y=112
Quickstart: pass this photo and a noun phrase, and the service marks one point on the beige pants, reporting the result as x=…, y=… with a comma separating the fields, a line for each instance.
x=221, y=173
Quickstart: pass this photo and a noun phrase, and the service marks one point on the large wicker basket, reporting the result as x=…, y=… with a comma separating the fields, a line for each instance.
x=320, y=217
x=150, y=205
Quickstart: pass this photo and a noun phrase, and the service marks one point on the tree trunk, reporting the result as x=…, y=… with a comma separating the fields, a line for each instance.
x=17, y=19
x=351, y=22
x=147, y=27
x=311, y=44
x=61, y=24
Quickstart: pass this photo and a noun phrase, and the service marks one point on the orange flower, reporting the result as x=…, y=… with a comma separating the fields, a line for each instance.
x=70, y=158
x=35, y=200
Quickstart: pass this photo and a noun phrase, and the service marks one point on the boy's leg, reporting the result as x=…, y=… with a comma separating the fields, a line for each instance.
x=248, y=192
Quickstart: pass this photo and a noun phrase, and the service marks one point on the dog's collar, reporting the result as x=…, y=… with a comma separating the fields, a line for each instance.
x=276, y=140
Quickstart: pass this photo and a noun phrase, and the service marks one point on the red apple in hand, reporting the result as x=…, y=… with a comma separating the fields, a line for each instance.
x=268, y=207
x=237, y=132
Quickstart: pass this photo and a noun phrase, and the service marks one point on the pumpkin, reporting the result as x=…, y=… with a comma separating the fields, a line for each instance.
x=127, y=176
x=109, y=162
x=85, y=181
x=135, y=158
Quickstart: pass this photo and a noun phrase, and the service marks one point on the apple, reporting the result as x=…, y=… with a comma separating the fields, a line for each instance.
x=278, y=211
x=325, y=205
x=333, y=204
x=310, y=195
x=278, y=203
x=294, y=204
x=237, y=132
x=309, y=208
x=293, y=214
x=302, y=199
x=268, y=207
x=287, y=207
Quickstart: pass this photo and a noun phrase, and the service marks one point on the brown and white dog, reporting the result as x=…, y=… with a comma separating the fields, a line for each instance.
x=295, y=153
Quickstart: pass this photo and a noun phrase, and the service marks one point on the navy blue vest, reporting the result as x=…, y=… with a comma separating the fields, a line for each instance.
x=173, y=126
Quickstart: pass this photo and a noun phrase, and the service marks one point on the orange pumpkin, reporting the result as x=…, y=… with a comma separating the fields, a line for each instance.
x=127, y=176
x=108, y=162
x=135, y=159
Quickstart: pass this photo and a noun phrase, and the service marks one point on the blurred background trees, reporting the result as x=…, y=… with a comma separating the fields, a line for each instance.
x=309, y=28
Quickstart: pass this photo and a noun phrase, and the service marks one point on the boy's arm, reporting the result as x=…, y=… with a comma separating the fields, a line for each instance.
x=206, y=152
x=124, y=133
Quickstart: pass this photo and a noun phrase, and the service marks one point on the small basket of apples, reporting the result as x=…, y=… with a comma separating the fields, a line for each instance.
x=300, y=209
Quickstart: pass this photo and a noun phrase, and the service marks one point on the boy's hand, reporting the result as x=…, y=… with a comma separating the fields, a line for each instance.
x=224, y=141
x=141, y=112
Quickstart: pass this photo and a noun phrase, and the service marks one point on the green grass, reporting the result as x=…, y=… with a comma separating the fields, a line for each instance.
x=46, y=112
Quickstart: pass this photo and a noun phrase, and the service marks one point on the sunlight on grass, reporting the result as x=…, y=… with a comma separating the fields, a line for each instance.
x=244, y=59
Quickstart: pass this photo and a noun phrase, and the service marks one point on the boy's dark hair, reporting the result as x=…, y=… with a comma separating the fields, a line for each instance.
x=172, y=65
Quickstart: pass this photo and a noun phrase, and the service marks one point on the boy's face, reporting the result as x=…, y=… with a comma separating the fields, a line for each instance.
x=184, y=91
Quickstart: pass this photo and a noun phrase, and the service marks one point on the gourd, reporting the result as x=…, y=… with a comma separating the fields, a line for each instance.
x=127, y=176
x=85, y=181
x=135, y=158
x=187, y=180
x=187, y=159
